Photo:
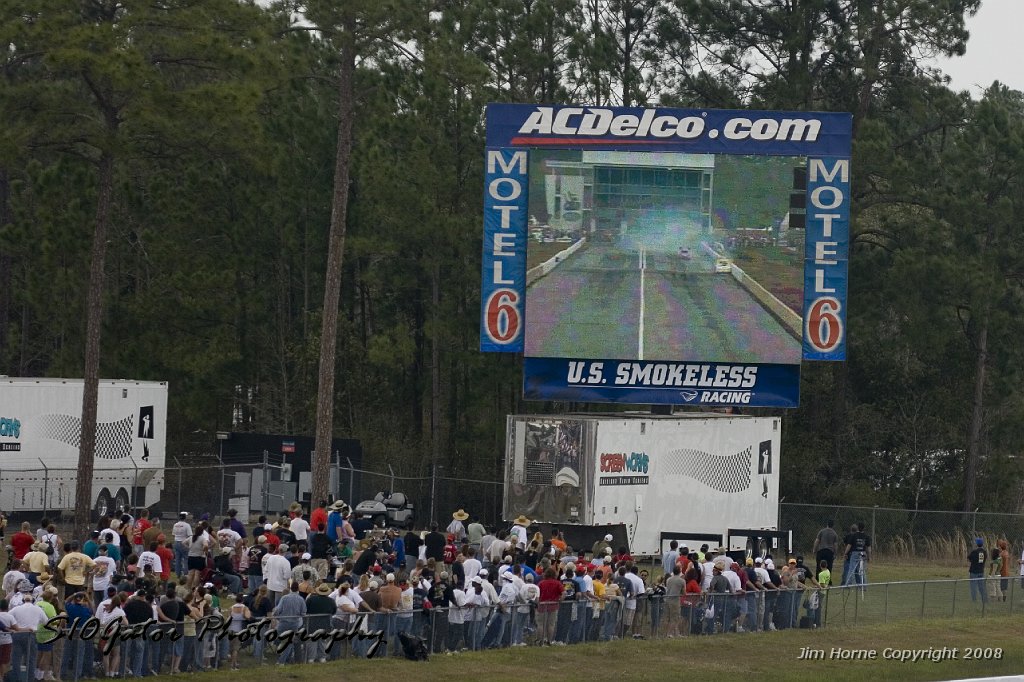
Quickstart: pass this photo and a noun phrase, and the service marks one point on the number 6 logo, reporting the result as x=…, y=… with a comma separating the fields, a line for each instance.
x=824, y=328
x=502, y=316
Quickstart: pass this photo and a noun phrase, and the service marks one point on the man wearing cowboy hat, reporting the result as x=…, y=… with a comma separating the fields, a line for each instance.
x=335, y=519
x=299, y=526
x=319, y=608
x=519, y=535
x=35, y=561
x=456, y=528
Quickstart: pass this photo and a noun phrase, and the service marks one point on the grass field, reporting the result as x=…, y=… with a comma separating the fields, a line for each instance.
x=771, y=656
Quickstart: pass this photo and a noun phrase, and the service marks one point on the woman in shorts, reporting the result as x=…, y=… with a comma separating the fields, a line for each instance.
x=197, y=549
x=108, y=614
x=237, y=617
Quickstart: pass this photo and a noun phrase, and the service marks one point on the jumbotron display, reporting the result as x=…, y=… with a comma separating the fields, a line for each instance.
x=665, y=256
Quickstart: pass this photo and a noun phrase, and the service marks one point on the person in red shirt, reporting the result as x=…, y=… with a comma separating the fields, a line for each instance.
x=692, y=611
x=166, y=555
x=270, y=539
x=142, y=524
x=22, y=541
x=623, y=555
x=684, y=560
x=547, y=612
x=319, y=515
x=451, y=552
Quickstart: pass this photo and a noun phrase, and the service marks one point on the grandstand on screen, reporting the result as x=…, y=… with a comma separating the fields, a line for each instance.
x=653, y=199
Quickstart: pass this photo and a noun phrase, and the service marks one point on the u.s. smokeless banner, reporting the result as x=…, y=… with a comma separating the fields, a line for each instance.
x=672, y=237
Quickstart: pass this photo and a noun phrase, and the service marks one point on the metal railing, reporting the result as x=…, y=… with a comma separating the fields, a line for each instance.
x=208, y=644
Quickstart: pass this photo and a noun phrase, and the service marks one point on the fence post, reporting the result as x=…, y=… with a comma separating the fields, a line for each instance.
x=266, y=484
x=885, y=611
x=856, y=607
x=179, y=484
x=956, y=587
x=135, y=483
x=924, y=590
x=433, y=490
x=1012, y=581
x=351, y=479
x=874, y=528
x=46, y=483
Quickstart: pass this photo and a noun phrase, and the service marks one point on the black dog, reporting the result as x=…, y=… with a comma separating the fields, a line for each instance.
x=415, y=648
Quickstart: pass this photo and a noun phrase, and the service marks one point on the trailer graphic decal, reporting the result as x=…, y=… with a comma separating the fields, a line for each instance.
x=113, y=439
x=728, y=474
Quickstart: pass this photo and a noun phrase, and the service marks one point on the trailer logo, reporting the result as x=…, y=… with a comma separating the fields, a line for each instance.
x=10, y=428
x=146, y=425
x=764, y=458
x=620, y=462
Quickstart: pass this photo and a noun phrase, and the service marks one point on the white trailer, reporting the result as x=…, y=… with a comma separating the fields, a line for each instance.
x=40, y=431
x=648, y=479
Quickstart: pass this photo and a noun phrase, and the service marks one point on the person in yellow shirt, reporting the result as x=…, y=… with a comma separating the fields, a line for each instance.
x=37, y=561
x=598, y=603
x=74, y=567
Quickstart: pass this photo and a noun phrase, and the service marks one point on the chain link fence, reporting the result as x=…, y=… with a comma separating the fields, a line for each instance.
x=266, y=485
x=207, y=644
x=903, y=533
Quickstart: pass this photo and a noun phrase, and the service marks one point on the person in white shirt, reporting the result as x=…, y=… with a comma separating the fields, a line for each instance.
x=456, y=620
x=10, y=625
x=519, y=533
x=470, y=566
x=102, y=572
x=277, y=571
x=485, y=544
x=500, y=617
x=114, y=529
x=488, y=588
x=300, y=527
x=707, y=573
x=152, y=559
x=497, y=550
x=227, y=537
x=476, y=617
x=12, y=578
x=529, y=594
x=456, y=528
x=28, y=618
x=182, y=534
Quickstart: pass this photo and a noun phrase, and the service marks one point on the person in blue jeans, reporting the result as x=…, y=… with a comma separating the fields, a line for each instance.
x=290, y=613
x=77, y=655
x=976, y=570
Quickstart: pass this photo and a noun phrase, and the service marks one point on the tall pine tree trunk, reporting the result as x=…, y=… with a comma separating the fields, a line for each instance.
x=974, y=444
x=93, y=329
x=332, y=288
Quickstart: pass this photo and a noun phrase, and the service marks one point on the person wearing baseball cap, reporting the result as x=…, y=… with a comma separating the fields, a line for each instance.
x=604, y=543
x=975, y=570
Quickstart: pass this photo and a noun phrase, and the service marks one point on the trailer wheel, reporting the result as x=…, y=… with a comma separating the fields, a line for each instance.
x=121, y=501
x=103, y=503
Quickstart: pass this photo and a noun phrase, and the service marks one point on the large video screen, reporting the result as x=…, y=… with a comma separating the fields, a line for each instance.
x=665, y=256
x=545, y=470
x=660, y=241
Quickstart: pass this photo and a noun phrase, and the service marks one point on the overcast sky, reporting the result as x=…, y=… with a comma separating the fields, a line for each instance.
x=995, y=50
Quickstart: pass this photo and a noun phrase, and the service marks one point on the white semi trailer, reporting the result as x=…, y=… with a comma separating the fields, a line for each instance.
x=648, y=479
x=40, y=431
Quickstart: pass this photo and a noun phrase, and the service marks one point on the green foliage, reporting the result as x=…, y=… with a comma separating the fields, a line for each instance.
x=222, y=116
